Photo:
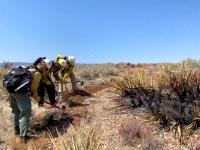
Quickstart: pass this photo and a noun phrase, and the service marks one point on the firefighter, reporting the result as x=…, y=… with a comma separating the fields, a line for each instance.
x=46, y=82
x=66, y=70
x=20, y=103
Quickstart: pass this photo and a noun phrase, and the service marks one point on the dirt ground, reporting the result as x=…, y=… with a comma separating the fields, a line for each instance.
x=99, y=103
x=104, y=109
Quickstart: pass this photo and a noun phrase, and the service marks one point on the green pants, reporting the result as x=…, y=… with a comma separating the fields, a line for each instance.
x=21, y=112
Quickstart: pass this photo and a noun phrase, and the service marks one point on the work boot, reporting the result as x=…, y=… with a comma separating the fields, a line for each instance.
x=24, y=139
x=54, y=104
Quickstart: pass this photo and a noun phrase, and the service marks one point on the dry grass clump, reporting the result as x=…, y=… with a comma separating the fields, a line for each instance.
x=78, y=138
x=166, y=67
x=3, y=71
x=7, y=65
x=172, y=97
x=190, y=63
x=91, y=71
x=33, y=144
x=138, y=85
x=5, y=123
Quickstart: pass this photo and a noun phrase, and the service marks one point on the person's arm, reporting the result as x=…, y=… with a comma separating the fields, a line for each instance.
x=36, y=78
x=68, y=72
x=56, y=76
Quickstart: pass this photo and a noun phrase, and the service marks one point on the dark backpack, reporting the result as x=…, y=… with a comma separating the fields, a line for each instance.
x=17, y=80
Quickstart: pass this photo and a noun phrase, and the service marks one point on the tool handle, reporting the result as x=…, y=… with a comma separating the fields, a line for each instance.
x=67, y=82
x=51, y=105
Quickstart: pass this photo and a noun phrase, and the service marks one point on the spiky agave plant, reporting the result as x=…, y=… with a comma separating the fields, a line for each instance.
x=3, y=71
x=190, y=63
x=131, y=83
x=185, y=85
x=165, y=67
x=140, y=86
x=183, y=91
x=79, y=138
x=7, y=65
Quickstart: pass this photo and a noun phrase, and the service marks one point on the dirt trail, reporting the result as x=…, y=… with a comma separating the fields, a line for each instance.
x=104, y=110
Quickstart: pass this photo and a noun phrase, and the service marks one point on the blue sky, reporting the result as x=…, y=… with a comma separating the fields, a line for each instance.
x=97, y=31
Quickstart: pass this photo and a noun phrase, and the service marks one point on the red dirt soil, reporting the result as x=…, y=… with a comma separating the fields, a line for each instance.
x=78, y=109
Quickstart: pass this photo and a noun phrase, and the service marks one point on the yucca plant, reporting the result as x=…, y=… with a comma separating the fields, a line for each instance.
x=138, y=85
x=190, y=63
x=185, y=85
x=170, y=96
x=133, y=81
x=7, y=65
x=3, y=71
x=80, y=138
x=165, y=67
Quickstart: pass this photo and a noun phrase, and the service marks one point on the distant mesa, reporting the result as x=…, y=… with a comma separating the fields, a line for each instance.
x=18, y=63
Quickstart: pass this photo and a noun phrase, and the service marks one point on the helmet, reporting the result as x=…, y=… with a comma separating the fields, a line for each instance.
x=48, y=63
x=71, y=59
x=62, y=62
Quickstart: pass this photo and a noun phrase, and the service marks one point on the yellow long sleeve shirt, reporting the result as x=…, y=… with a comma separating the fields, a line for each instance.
x=46, y=78
x=65, y=72
x=35, y=82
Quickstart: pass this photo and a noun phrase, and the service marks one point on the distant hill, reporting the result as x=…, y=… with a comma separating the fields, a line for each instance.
x=18, y=63
x=28, y=63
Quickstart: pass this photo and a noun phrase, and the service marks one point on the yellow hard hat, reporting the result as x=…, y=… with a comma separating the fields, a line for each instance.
x=62, y=62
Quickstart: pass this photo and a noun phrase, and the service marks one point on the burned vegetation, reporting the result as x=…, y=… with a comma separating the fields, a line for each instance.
x=172, y=97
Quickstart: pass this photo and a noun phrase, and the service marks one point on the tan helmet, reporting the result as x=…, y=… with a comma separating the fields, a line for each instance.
x=71, y=59
x=62, y=62
x=48, y=63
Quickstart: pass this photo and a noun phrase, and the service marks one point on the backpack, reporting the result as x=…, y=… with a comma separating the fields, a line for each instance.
x=17, y=80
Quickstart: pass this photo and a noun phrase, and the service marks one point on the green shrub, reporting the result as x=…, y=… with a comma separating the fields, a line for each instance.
x=96, y=70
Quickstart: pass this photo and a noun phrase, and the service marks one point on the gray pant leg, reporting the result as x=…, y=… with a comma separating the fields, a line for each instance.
x=15, y=111
x=73, y=79
x=24, y=105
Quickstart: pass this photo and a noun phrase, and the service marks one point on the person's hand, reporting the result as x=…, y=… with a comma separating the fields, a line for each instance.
x=41, y=103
